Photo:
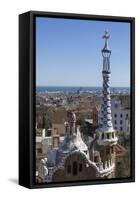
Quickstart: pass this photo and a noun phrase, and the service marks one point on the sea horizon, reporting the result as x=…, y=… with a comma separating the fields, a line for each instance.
x=79, y=86
x=79, y=89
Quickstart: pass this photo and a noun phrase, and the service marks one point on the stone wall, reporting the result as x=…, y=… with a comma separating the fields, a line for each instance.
x=77, y=167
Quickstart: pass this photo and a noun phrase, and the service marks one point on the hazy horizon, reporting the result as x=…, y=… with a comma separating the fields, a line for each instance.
x=79, y=86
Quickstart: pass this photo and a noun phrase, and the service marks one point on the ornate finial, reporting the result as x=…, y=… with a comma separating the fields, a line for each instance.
x=66, y=124
x=106, y=35
x=73, y=118
x=106, y=48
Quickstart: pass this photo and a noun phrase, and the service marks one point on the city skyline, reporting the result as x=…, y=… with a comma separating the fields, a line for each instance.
x=68, y=52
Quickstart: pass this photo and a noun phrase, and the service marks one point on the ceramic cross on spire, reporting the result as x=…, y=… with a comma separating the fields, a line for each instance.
x=106, y=48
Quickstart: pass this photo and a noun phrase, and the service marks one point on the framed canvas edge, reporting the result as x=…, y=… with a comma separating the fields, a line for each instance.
x=31, y=61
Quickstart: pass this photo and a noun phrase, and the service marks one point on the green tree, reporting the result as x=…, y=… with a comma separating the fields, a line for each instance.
x=46, y=122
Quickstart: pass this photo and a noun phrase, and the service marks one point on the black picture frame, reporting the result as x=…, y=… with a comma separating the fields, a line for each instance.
x=27, y=86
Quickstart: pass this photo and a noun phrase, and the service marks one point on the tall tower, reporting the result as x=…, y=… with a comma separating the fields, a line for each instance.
x=106, y=118
x=106, y=136
x=105, y=127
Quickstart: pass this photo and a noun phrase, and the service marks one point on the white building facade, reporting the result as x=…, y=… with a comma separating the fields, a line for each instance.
x=120, y=117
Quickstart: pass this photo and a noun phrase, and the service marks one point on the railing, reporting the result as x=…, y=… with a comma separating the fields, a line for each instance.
x=107, y=141
x=106, y=167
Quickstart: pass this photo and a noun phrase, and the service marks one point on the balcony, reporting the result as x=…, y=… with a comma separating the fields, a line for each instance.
x=106, y=141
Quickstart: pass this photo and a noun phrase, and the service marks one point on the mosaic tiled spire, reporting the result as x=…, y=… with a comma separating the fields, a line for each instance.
x=106, y=118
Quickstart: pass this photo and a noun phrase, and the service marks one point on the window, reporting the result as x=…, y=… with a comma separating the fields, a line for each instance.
x=112, y=134
x=96, y=158
x=107, y=151
x=121, y=122
x=80, y=167
x=39, y=150
x=85, y=152
x=75, y=168
x=69, y=169
x=118, y=164
x=108, y=135
x=115, y=127
x=107, y=164
x=102, y=135
x=121, y=115
x=115, y=115
x=104, y=165
x=121, y=128
x=115, y=122
x=127, y=115
x=116, y=105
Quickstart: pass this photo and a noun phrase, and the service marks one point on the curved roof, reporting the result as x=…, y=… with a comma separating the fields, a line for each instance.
x=71, y=143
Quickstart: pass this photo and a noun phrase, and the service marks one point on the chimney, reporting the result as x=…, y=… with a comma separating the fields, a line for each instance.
x=43, y=132
x=55, y=140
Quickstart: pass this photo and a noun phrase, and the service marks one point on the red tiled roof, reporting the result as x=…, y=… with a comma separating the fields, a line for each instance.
x=120, y=150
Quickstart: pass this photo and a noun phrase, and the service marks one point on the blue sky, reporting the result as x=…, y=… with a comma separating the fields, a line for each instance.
x=68, y=52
